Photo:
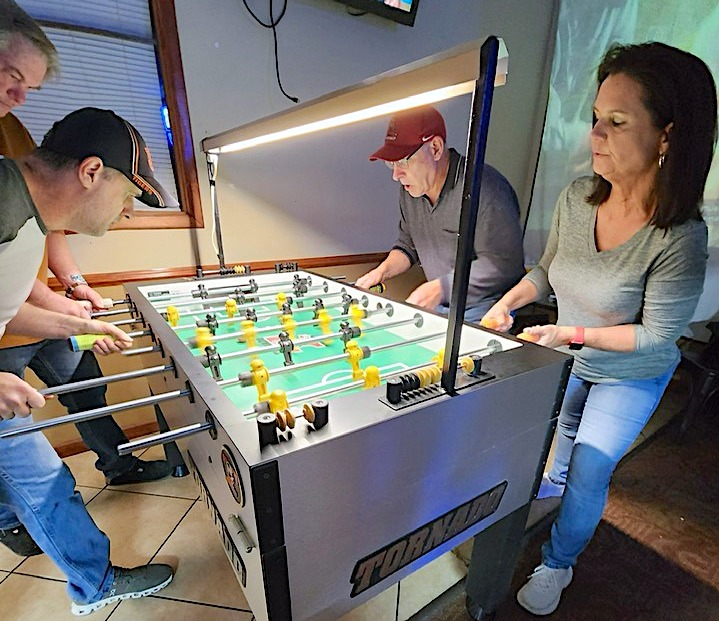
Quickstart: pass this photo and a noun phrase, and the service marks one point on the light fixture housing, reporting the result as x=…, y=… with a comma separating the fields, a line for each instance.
x=425, y=81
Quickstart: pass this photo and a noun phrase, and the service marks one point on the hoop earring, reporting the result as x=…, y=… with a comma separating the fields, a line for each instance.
x=662, y=157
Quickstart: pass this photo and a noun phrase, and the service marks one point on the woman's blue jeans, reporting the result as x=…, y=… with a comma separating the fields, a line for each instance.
x=38, y=490
x=597, y=425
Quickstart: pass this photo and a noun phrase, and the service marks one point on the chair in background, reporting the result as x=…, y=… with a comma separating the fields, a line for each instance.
x=703, y=368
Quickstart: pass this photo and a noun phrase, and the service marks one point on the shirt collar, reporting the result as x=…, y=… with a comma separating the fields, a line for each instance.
x=453, y=174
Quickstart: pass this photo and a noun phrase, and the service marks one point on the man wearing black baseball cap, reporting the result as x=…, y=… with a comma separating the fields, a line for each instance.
x=85, y=176
x=27, y=50
x=92, y=131
x=432, y=179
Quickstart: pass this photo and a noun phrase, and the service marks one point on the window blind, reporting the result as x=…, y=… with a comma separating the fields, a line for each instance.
x=117, y=71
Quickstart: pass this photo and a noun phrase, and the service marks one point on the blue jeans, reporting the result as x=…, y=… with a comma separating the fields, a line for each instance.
x=597, y=425
x=38, y=490
x=472, y=314
x=54, y=363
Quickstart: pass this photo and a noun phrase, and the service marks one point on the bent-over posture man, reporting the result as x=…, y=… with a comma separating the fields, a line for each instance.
x=430, y=202
x=84, y=177
x=24, y=52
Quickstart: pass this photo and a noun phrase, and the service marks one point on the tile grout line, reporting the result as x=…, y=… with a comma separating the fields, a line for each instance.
x=26, y=575
x=132, y=491
x=174, y=529
x=209, y=605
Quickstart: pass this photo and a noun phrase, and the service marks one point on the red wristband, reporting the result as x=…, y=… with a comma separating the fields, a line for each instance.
x=577, y=341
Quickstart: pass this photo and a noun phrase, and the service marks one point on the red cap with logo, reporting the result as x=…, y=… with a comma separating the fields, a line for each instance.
x=408, y=131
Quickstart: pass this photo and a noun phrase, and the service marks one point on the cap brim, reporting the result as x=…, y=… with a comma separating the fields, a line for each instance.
x=394, y=152
x=153, y=194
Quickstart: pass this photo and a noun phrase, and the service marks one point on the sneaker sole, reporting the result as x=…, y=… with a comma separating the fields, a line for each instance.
x=80, y=610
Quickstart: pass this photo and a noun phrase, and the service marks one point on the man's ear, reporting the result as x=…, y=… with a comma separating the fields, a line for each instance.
x=437, y=148
x=89, y=171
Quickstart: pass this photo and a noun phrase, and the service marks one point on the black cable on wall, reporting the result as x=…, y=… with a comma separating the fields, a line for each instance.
x=273, y=25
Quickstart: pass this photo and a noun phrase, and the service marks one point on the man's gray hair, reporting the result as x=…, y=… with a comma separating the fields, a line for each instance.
x=14, y=22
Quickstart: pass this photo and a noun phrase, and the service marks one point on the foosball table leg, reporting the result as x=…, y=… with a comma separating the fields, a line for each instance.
x=172, y=453
x=494, y=556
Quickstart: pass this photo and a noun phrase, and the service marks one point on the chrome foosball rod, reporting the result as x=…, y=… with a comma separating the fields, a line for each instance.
x=250, y=289
x=113, y=313
x=129, y=322
x=165, y=437
x=384, y=310
x=242, y=297
x=280, y=284
x=80, y=417
x=345, y=334
x=300, y=395
x=105, y=379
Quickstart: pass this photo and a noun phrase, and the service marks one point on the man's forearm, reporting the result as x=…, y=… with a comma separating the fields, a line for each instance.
x=44, y=297
x=60, y=260
x=396, y=263
x=41, y=294
x=31, y=320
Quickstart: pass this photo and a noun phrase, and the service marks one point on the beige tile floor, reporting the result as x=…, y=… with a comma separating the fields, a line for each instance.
x=165, y=521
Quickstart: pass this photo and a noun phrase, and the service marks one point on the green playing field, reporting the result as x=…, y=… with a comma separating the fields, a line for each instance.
x=299, y=383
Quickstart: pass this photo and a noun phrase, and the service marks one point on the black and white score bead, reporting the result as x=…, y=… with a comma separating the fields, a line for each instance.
x=394, y=390
x=267, y=429
x=316, y=413
x=477, y=370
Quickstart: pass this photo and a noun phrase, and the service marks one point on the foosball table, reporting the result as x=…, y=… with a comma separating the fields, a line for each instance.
x=330, y=457
x=336, y=446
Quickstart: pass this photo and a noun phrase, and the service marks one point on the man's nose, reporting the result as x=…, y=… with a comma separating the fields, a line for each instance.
x=128, y=209
x=18, y=94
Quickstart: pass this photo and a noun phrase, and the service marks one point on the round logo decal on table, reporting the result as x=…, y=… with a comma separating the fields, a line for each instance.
x=232, y=475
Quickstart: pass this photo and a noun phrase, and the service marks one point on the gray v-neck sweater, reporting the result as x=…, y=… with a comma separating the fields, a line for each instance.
x=652, y=281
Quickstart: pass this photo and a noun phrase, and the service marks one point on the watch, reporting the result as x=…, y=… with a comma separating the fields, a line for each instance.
x=577, y=341
x=75, y=281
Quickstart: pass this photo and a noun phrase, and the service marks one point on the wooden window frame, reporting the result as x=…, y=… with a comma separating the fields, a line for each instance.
x=167, y=50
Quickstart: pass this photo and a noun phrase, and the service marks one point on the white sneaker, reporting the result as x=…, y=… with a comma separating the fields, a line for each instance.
x=549, y=489
x=541, y=594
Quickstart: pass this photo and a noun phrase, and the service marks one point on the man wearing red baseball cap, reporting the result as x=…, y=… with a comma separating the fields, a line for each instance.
x=432, y=179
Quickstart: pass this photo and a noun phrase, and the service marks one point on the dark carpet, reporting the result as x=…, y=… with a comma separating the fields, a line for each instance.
x=655, y=555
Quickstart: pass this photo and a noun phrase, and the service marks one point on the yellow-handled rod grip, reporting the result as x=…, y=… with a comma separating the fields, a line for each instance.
x=489, y=322
x=528, y=336
x=84, y=342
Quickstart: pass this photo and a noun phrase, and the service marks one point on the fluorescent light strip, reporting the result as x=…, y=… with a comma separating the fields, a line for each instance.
x=413, y=101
